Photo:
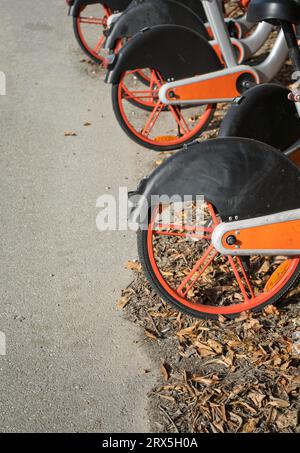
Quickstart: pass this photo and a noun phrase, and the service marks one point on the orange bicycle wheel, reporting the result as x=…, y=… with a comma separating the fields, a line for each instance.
x=185, y=269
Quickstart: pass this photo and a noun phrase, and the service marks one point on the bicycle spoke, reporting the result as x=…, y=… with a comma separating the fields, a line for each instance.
x=183, y=227
x=163, y=229
x=137, y=94
x=245, y=276
x=194, y=275
x=183, y=127
x=152, y=118
x=92, y=20
x=99, y=44
x=213, y=214
x=239, y=280
x=184, y=235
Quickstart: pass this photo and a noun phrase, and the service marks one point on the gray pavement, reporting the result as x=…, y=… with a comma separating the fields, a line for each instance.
x=73, y=364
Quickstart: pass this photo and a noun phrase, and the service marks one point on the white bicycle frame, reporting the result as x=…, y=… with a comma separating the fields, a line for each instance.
x=262, y=72
x=238, y=226
x=249, y=45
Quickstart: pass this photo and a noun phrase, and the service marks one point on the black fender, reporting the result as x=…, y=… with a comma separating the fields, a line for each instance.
x=148, y=13
x=263, y=113
x=175, y=51
x=242, y=178
x=113, y=5
x=195, y=6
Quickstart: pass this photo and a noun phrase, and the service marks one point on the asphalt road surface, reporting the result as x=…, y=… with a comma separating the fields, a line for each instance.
x=72, y=363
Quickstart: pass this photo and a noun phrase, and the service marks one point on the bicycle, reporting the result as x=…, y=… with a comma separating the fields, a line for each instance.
x=184, y=104
x=244, y=252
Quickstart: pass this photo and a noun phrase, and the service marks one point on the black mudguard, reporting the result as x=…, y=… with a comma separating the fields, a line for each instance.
x=242, y=178
x=175, y=51
x=148, y=13
x=113, y=5
x=195, y=6
x=263, y=113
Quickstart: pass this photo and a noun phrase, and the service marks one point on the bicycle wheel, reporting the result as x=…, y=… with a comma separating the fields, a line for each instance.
x=151, y=123
x=183, y=267
x=89, y=24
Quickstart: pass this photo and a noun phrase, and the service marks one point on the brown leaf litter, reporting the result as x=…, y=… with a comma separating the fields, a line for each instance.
x=220, y=376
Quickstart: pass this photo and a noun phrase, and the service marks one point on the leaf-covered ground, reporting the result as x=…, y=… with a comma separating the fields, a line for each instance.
x=220, y=376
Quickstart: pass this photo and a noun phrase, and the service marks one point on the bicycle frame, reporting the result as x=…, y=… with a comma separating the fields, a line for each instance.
x=252, y=43
x=276, y=234
x=214, y=87
x=248, y=46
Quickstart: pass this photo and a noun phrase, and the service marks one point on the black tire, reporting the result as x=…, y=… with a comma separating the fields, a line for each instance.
x=132, y=136
x=155, y=284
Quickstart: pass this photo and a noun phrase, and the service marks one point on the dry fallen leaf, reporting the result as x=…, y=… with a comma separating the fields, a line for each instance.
x=165, y=371
x=271, y=310
x=287, y=419
x=296, y=349
x=215, y=345
x=204, y=352
x=252, y=324
x=205, y=380
x=133, y=265
x=250, y=425
x=122, y=302
x=187, y=331
x=277, y=402
x=70, y=134
x=257, y=398
x=203, y=349
x=150, y=335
